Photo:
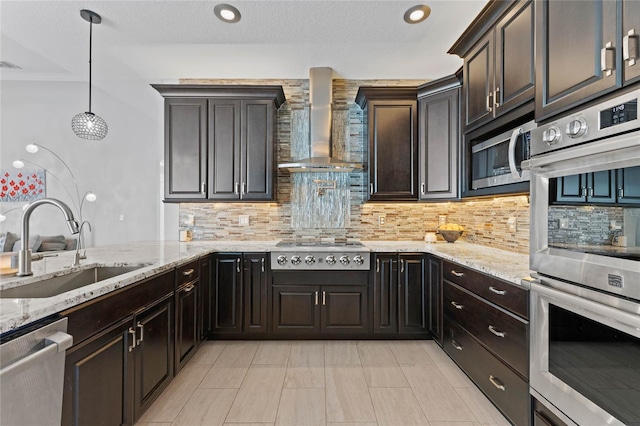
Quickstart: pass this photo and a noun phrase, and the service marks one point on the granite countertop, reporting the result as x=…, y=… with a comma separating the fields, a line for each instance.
x=155, y=257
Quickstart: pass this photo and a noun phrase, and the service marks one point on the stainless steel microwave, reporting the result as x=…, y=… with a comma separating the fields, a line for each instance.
x=497, y=161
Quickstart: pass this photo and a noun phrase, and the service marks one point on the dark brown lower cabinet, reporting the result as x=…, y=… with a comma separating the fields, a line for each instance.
x=434, y=278
x=227, y=296
x=205, y=316
x=413, y=294
x=385, y=293
x=187, y=337
x=254, y=282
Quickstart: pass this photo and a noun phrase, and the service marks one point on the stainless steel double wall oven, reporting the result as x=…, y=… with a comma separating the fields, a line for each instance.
x=585, y=250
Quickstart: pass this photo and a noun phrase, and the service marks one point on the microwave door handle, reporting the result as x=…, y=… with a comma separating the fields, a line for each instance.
x=512, y=154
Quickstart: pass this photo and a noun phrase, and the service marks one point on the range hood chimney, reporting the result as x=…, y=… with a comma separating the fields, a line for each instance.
x=320, y=117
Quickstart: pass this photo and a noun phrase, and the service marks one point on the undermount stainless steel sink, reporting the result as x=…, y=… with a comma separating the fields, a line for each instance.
x=53, y=286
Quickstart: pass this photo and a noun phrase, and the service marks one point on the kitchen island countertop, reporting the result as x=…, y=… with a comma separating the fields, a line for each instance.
x=155, y=257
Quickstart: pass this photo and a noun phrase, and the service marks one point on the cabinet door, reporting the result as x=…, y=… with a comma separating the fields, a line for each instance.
x=393, y=150
x=629, y=185
x=153, y=353
x=98, y=377
x=344, y=309
x=224, y=149
x=385, y=294
x=185, y=149
x=515, y=63
x=206, y=292
x=571, y=189
x=257, y=150
x=478, y=83
x=631, y=29
x=186, y=322
x=601, y=187
x=296, y=309
x=413, y=294
x=255, y=292
x=438, y=145
x=569, y=38
x=434, y=278
x=228, y=293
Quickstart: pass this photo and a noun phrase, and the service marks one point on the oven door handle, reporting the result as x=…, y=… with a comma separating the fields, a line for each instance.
x=512, y=153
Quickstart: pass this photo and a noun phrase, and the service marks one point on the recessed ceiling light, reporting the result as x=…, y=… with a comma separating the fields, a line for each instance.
x=227, y=13
x=417, y=14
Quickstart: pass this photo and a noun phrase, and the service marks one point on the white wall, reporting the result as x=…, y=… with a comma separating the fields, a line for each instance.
x=123, y=170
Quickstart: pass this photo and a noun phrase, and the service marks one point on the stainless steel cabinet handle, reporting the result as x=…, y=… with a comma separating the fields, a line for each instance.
x=583, y=192
x=590, y=193
x=457, y=274
x=489, y=96
x=236, y=188
x=324, y=298
x=456, y=305
x=495, y=382
x=54, y=344
x=496, y=331
x=422, y=188
x=188, y=288
x=140, y=327
x=371, y=188
x=188, y=272
x=620, y=192
x=401, y=265
x=316, y=298
x=132, y=332
x=203, y=188
x=377, y=265
x=608, y=59
x=492, y=289
x=262, y=264
x=244, y=188
x=456, y=345
x=238, y=265
x=630, y=47
x=496, y=97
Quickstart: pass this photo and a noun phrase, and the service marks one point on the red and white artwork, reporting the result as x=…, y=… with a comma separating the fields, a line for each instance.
x=21, y=185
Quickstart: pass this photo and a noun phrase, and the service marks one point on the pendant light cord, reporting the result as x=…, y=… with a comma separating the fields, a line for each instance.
x=90, y=45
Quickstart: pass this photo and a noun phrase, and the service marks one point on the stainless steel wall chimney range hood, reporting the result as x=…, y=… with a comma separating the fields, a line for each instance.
x=320, y=117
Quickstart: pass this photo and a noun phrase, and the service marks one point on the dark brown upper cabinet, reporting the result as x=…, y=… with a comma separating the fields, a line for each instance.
x=439, y=139
x=390, y=128
x=498, y=70
x=219, y=142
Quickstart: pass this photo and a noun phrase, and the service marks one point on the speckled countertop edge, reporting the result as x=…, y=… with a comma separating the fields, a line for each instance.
x=155, y=257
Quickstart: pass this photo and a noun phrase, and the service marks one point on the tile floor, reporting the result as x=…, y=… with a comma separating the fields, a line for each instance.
x=321, y=383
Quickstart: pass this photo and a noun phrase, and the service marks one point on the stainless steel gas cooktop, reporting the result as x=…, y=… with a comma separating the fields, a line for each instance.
x=320, y=255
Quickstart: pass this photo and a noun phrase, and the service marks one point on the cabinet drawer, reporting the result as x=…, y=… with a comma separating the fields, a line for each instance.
x=508, y=391
x=502, y=333
x=497, y=291
x=187, y=273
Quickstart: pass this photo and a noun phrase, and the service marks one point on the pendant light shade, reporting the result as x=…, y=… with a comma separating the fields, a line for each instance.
x=87, y=125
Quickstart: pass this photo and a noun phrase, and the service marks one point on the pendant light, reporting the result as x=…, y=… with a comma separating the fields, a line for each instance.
x=87, y=125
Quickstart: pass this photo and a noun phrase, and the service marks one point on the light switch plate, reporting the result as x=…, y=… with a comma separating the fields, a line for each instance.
x=243, y=220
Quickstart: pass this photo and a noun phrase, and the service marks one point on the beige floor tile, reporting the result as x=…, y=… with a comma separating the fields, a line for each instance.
x=409, y=351
x=152, y=424
x=397, y=407
x=301, y=407
x=341, y=352
x=175, y=396
x=304, y=377
x=272, y=352
x=480, y=406
x=382, y=376
x=206, y=407
x=436, y=396
x=454, y=375
x=259, y=395
x=435, y=352
x=237, y=354
x=376, y=353
x=208, y=352
x=306, y=354
x=348, y=397
x=454, y=424
x=352, y=424
x=249, y=424
x=224, y=378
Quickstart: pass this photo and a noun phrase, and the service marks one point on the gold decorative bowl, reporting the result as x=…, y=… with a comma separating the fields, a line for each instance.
x=449, y=235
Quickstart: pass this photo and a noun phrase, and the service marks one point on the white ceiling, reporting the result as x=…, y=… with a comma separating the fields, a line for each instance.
x=161, y=40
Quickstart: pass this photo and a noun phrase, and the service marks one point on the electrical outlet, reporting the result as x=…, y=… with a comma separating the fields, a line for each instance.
x=121, y=218
x=563, y=223
x=190, y=220
x=243, y=220
x=382, y=220
x=512, y=224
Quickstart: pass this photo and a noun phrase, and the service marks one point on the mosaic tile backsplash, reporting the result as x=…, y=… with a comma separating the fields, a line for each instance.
x=587, y=224
x=300, y=212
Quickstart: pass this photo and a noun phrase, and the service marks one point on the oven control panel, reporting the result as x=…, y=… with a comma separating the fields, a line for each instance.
x=320, y=260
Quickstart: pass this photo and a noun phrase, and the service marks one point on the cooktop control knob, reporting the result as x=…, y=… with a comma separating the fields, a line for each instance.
x=577, y=127
x=309, y=260
x=358, y=260
x=344, y=259
x=552, y=135
x=282, y=259
x=295, y=260
x=331, y=260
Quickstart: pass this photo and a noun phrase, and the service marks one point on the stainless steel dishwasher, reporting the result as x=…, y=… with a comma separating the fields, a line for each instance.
x=32, y=374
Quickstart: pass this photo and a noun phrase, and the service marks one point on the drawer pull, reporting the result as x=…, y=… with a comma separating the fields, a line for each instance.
x=316, y=298
x=496, y=291
x=141, y=328
x=457, y=274
x=262, y=263
x=496, y=332
x=188, y=288
x=377, y=265
x=324, y=298
x=188, y=272
x=401, y=265
x=132, y=332
x=457, y=306
x=238, y=265
x=495, y=382
x=456, y=345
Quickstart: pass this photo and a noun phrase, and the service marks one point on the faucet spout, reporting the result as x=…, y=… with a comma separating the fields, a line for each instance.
x=24, y=255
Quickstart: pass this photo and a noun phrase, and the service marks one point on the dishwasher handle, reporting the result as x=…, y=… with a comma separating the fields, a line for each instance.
x=54, y=344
